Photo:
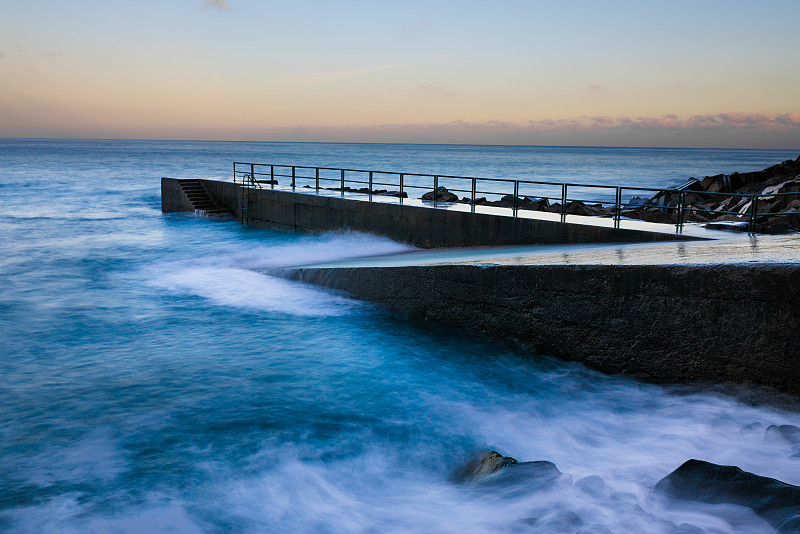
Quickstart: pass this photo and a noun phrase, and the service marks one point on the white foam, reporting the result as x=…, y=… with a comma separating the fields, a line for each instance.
x=231, y=277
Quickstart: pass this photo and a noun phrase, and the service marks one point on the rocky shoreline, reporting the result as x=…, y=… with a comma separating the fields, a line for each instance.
x=695, y=481
x=723, y=201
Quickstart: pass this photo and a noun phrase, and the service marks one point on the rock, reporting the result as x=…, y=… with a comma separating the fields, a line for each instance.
x=442, y=195
x=775, y=501
x=593, y=485
x=788, y=433
x=485, y=463
x=540, y=204
x=731, y=226
x=577, y=208
x=507, y=476
x=752, y=427
x=636, y=201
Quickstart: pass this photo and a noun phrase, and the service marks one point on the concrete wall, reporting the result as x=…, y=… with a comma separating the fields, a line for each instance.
x=173, y=199
x=685, y=323
x=417, y=225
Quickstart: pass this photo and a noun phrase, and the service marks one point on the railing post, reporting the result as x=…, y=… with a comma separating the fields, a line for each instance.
x=234, y=172
x=293, y=168
x=252, y=174
x=435, y=188
x=272, y=176
x=317, y=178
x=563, y=202
x=516, y=195
x=370, y=186
x=401, y=188
x=474, y=190
x=618, y=208
x=342, y=186
x=751, y=229
x=679, y=215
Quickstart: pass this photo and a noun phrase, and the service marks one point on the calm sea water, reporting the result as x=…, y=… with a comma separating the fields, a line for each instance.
x=153, y=381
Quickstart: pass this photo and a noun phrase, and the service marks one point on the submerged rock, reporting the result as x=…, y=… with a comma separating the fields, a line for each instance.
x=787, y=433
x=593, y=485
x=775, y=501
x=752, y=427
x=558, y=521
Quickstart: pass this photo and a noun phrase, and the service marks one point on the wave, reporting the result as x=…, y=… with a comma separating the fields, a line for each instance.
x=231, y=277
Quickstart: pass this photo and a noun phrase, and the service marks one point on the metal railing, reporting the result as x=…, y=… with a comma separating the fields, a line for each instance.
x=672, y=201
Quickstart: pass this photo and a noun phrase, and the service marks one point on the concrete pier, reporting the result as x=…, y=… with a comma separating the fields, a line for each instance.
x=414, y=221
x=685, y=317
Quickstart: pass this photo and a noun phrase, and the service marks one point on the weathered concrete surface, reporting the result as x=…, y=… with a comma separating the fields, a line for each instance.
x=173, y=198
x=417, y=225
x=661, y=323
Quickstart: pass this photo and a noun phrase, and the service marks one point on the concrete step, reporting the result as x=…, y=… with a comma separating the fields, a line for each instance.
x=199, y=198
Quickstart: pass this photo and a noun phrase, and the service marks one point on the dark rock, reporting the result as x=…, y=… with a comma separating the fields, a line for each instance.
x=541, y=204
x=442, y=195
x=788, y=433
x=555, y=207
x=731, y=226
x=775, y=501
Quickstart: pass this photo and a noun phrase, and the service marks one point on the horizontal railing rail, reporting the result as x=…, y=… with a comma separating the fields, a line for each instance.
x=519, y=193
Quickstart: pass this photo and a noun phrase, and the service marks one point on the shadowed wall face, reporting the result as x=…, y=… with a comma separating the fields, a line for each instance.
x=661, y=323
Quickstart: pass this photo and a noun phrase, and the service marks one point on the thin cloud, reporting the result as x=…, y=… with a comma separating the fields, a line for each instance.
x=733, y=121
x=221, y=5
x=596, y=88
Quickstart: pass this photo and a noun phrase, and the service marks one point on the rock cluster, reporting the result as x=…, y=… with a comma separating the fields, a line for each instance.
x=723, y=201
x=778, y=503
x=366, y=191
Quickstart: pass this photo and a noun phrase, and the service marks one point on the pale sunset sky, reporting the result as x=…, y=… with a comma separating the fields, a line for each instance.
x=699, y=73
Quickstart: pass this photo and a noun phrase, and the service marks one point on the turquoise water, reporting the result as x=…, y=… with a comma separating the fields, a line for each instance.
x=153, y=380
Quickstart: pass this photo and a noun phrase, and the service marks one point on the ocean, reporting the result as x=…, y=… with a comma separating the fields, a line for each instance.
x=153, y=379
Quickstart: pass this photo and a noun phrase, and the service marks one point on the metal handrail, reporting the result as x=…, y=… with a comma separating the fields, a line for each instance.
x=677, y=197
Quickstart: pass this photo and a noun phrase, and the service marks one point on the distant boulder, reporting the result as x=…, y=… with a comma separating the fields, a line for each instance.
x=441, y=194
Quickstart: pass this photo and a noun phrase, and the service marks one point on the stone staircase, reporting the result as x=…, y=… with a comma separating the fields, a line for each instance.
x=200, y=199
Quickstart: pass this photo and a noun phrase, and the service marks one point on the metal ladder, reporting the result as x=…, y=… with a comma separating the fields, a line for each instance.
x=245, y=200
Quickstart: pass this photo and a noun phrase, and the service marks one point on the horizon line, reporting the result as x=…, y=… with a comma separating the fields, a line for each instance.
x=194, y=140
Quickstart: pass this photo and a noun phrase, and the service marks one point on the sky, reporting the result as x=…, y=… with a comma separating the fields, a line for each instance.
x=699, y=73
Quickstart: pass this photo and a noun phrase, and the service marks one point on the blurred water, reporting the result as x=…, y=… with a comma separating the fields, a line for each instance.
x=153, y=380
